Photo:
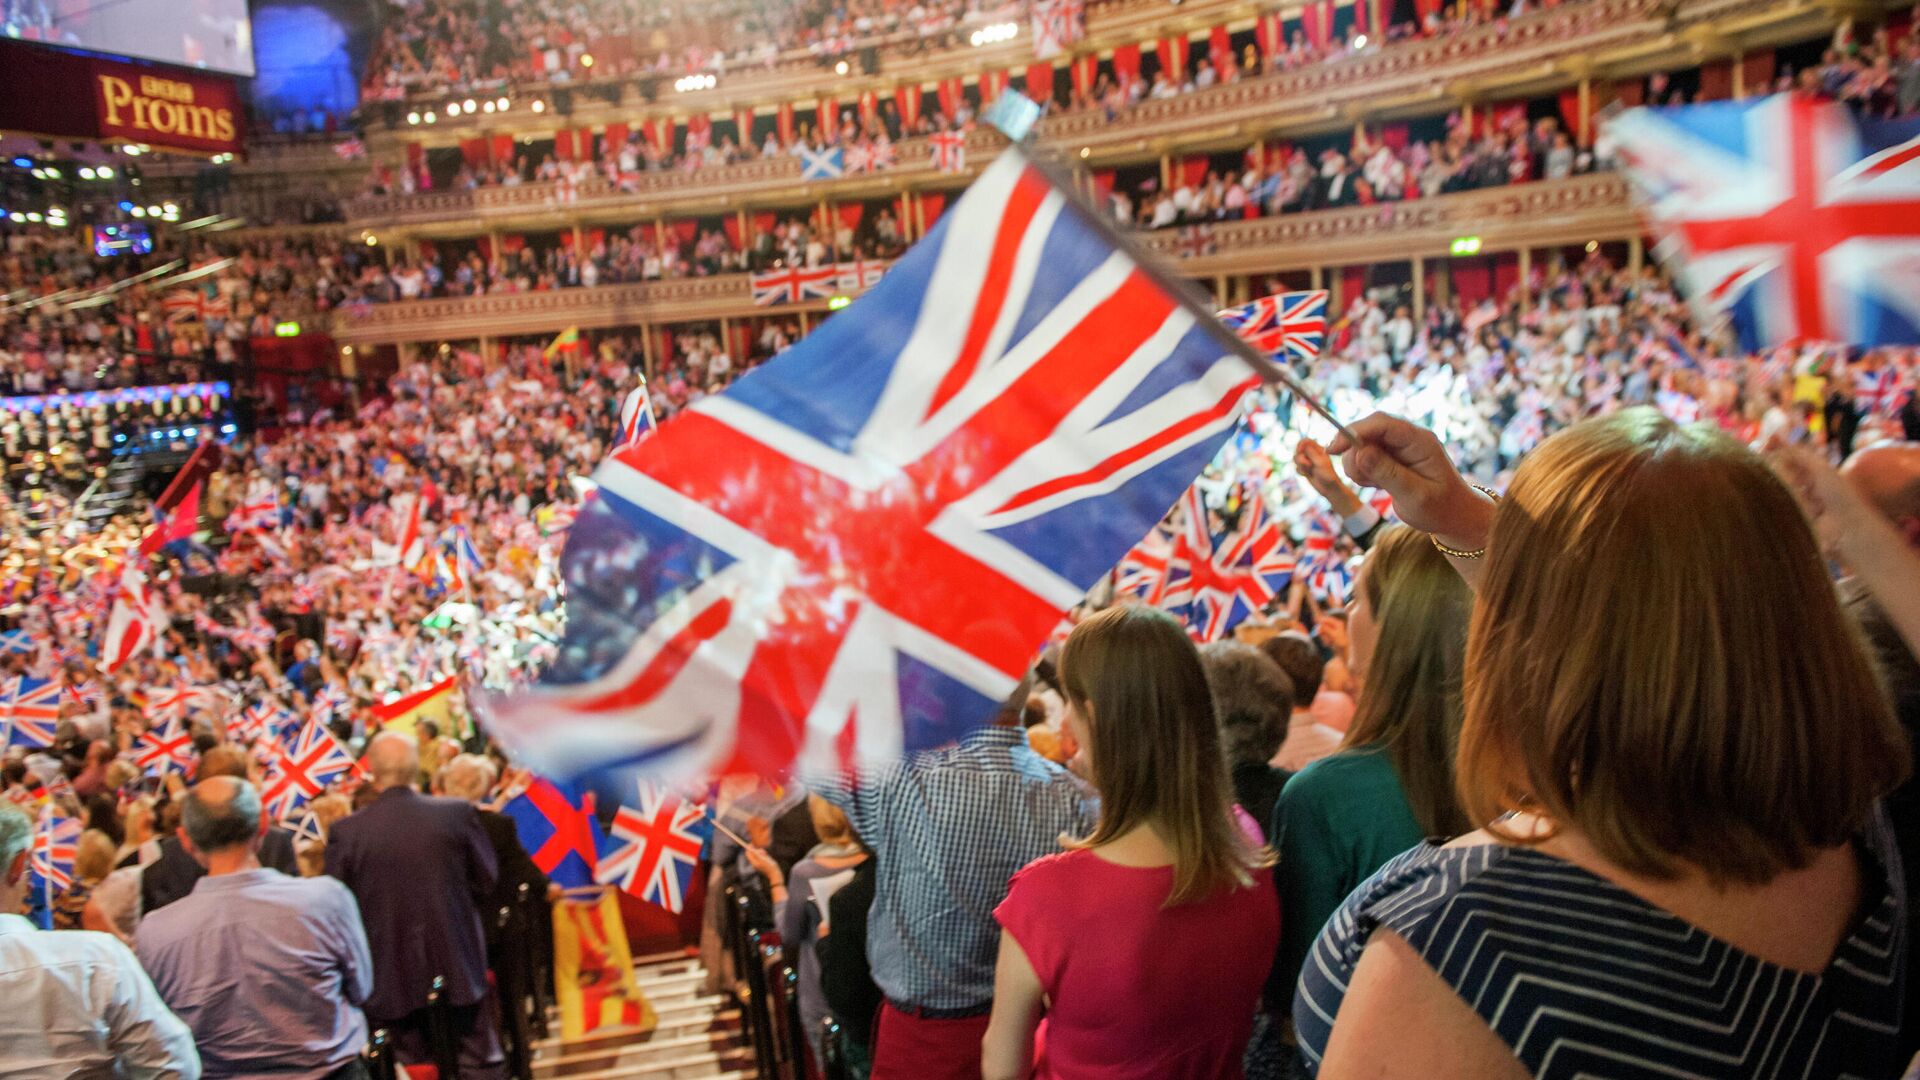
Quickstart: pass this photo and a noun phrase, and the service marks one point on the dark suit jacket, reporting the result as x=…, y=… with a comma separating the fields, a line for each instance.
x=421, y=867
x=517, y=868
x=846, y=978
x=174, y=874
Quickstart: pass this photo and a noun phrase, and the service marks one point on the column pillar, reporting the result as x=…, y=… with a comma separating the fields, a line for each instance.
x=1636, y=254
x=1526, y=274
x=1443, y=281
x=806, y=324
x=726, y=341
x=1220, y=294
x=646, y=350
x=1585, y=135
x=1166, y=174
x=1334, y=299
x=579, y=241
x=1739, y=75
x=1419, y=289
x=1317, y=279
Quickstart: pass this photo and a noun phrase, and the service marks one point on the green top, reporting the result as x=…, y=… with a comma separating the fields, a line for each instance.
x=1338, y=820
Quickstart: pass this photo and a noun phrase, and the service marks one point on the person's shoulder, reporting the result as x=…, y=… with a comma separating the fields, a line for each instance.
x=1050, y=873
x=1332, y=775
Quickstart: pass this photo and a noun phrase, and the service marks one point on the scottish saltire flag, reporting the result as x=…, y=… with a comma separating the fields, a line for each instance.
x=20, y=642
x=1788, y=214
x=299, y=771
x=30, y=709
x=653, y=848
x=1290, y=327
x=826, y=163
x=856, y=549
x=555, y=824
x=1229, y=575
x=636, y=416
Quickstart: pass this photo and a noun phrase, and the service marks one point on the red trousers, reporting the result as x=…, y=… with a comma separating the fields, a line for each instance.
x=910, y=1048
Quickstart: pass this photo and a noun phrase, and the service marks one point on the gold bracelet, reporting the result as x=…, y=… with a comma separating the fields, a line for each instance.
x=1456, y=553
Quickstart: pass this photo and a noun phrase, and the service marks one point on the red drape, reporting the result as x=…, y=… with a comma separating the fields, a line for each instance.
x=667, y=358
x=1353, y=282
x=484, y=245
x=616, y=138
x=474, y=152
x=699, y=130
x=952, y=92
x=1102, y=183
x=764, y=221
x=1472, y=280
x=512, y=242
x=1570, y=111
x=935, y=202
x=683, y=232
x=595, y=238
x=783, y=121
x=1757, y=72
x=563, y=144
x=1040, y=81
x=826, y=114
x=1425, y=9
x=1506, y=274
x=1126, y=63
x=583, y=143
x=1193, y=170
x=502, y=149
x=658, y=132
x=1394, y=135
x=731, y=226
x=992, y=85
x=1630, y=92
x=1716, y=80
x=1220, y=50
x=1172, y=52
x=907, y=100
x=743, y=126
x=1084, y=71
x=1270, y=34
x=1316, y=18
x=851, y=213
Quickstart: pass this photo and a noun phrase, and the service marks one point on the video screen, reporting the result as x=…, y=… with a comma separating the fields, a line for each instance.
x=211, y=34
x=122, y=240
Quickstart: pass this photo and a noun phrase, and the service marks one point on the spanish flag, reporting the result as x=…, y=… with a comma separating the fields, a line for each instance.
x=568, y=341
x=434, y=703
x=593, y=969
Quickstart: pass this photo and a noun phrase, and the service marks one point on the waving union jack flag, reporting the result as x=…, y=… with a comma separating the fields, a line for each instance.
x=652, y=849
x=1143, y=571
x=856, y=550
x=1290, y=327
x=792, y=284
x=636, y=416
x=257, y=721
x=1879, y=391
x=1224, y=577
x=31, y=708
x=1786, y=213
x=56, y=840
x=164, y=749
x=300, y=772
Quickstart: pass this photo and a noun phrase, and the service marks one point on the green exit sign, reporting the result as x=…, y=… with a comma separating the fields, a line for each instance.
x=835, y=303
x=286, y=329
x=1464, y=245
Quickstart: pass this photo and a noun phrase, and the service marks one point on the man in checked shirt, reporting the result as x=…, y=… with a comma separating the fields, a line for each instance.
x=948, y=828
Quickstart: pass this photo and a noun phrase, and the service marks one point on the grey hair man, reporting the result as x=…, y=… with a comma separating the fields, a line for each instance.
x=94, y=1012
x=296, y=944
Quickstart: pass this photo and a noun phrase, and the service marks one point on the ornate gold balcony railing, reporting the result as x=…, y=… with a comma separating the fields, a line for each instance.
x=1546, y=214
x=1535, y=53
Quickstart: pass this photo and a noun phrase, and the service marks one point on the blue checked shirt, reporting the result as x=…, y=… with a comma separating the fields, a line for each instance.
x=949, y=828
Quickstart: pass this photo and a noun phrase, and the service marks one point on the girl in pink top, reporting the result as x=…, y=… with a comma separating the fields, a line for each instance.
x=1142, y=949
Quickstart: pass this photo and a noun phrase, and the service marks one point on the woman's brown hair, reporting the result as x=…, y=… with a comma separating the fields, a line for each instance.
x=1410, y=703
x=1658, y=659
x=1134, y=676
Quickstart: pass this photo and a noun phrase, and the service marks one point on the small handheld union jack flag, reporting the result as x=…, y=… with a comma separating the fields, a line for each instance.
x=164, y=749
x=30, y=709
x=1290, y=327
x=1879, y=391
x=56, y=839
x=1229, y=576
x=300, y=772
x=652, y=849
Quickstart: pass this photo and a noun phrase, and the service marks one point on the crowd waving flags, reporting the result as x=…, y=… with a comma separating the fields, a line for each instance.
x=972, y=428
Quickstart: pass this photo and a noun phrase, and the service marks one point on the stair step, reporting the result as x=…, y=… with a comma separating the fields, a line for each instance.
x=676, y=1057
x=672, y=1023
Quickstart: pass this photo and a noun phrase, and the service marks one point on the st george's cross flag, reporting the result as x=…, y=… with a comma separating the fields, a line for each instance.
x=855, y=550
x=1789, y=214
x=1290, y=327
x=652, y=848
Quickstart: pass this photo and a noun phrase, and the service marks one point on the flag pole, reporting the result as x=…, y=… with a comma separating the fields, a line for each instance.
x=1161, y=273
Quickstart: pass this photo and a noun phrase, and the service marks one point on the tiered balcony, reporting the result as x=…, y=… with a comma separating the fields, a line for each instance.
x=1531, y=55
x=1546, y=214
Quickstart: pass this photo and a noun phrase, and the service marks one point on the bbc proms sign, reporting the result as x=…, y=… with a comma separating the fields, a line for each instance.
x=189, y=111
x=80, y=96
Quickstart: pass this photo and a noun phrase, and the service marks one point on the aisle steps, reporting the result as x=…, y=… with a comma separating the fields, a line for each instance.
x=697, y=1034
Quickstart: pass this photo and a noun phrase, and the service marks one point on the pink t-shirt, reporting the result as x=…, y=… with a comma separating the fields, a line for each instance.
x=1138, y=990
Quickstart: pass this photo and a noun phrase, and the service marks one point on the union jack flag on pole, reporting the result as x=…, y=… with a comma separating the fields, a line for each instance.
x=1290, y=327
x=31, y=709
x=166, y=748
x=792, y=284
x=652, y=850
x=1231, y=575
x=636, y=417
x=299, y=773
x=855, y=551
x=1788, y=214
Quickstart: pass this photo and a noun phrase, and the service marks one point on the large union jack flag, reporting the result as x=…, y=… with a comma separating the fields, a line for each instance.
x=1290, y=327
x=792, y=284
x=1787, y=213
x=300, y=772
x=652, y=849
x=31, y=709
x=856, y=549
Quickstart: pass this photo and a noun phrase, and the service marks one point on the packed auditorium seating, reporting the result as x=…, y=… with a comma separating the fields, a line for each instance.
x=287, y=503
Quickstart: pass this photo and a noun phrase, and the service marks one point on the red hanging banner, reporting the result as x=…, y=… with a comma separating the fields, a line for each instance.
x=907, y=100
x=783, y=122
x=1040, y=82
x=1270, y=34
x=992, y=85
x=870, y=110
x=743, y=126
x=1220, y=50
x=1173, y=57
x=1126, y=64
x=826, y=117
x=1085, y=70
x=952, y=94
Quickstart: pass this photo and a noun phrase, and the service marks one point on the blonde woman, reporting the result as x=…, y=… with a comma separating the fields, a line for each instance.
x=1141, y=950
x=1673, y=745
